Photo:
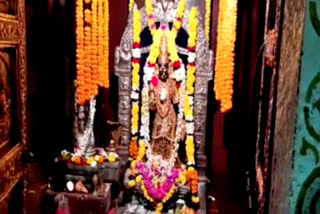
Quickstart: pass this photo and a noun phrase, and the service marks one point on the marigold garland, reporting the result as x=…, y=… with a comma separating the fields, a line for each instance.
x=188, y=108
x=207, y=18
x=80, y=53
x=106, y=17
x=224, y=69
x=151, y=21
x=134, y=147
x=134, y=152
x=101, y=32
x=179, y=18
x=94, y=48
x=131, y=4
x=88, y=78
x=191, y=70
x=92, y=38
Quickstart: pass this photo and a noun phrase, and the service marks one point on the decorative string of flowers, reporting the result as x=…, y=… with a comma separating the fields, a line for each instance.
x=80, y=53
x=101, y=43
x=189, y=98
x=131, y=4
x=92, y=38
x=94, y=48
x=179, y=18
x=105, y=60
x=135, y=88
x=151, y=20
x=224, y=69
x=207, y=18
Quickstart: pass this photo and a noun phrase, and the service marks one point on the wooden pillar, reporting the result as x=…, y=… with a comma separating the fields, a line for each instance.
x=286, y=105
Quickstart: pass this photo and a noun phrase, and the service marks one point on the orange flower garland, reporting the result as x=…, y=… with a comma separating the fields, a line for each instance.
x=100, y=42
x=106, y=81
x=223, y=83
x=92, y=37
x=193, y=180
x=94, y=49
x=87, y=49
x=134, y=148
x=80, y=53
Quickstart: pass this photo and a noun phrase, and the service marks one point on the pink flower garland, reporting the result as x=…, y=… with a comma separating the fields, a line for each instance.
x=160, y=192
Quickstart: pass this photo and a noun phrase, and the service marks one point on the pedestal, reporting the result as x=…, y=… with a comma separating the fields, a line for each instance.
x=80, y=203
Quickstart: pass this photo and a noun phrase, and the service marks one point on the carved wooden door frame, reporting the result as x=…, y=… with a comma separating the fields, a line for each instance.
x=276, y=119
x=13, y=37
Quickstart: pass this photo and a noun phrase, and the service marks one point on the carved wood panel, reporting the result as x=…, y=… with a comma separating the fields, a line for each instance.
x=8, y=6
x=13, y=136
x=279, y=85
x=5, y=97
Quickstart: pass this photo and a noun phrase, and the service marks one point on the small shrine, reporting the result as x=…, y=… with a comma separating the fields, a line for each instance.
x=159, y=107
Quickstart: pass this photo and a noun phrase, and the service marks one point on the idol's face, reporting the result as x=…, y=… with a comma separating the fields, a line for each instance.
x=163, y=71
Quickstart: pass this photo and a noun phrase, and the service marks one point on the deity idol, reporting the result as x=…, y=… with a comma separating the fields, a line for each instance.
x=163, y=97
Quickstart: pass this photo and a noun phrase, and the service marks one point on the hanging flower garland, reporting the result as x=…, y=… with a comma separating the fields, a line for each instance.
x=101, y=59
x=224, y=69
x=179, y=18
x=80, y=53
x=92, y=37
x=151, y=17
x=94, y=48
x=188, y=108
x=207, y=18
x=131, y=4
x=135, y=88
x=87, y=49
x=106, y=18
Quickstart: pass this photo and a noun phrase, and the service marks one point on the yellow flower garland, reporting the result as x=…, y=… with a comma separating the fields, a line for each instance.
x=207, y=18
x=142, y=150
x=135, y=117
x=180, y=13
x=135, y=75
x=155, y=47
x=224, y=69
x=191, y=70
x=149, y=11
x=136, y=25
x=172, y=49
x=131, y=3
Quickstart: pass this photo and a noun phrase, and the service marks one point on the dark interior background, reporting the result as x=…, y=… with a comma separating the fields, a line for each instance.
x=51, y=71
